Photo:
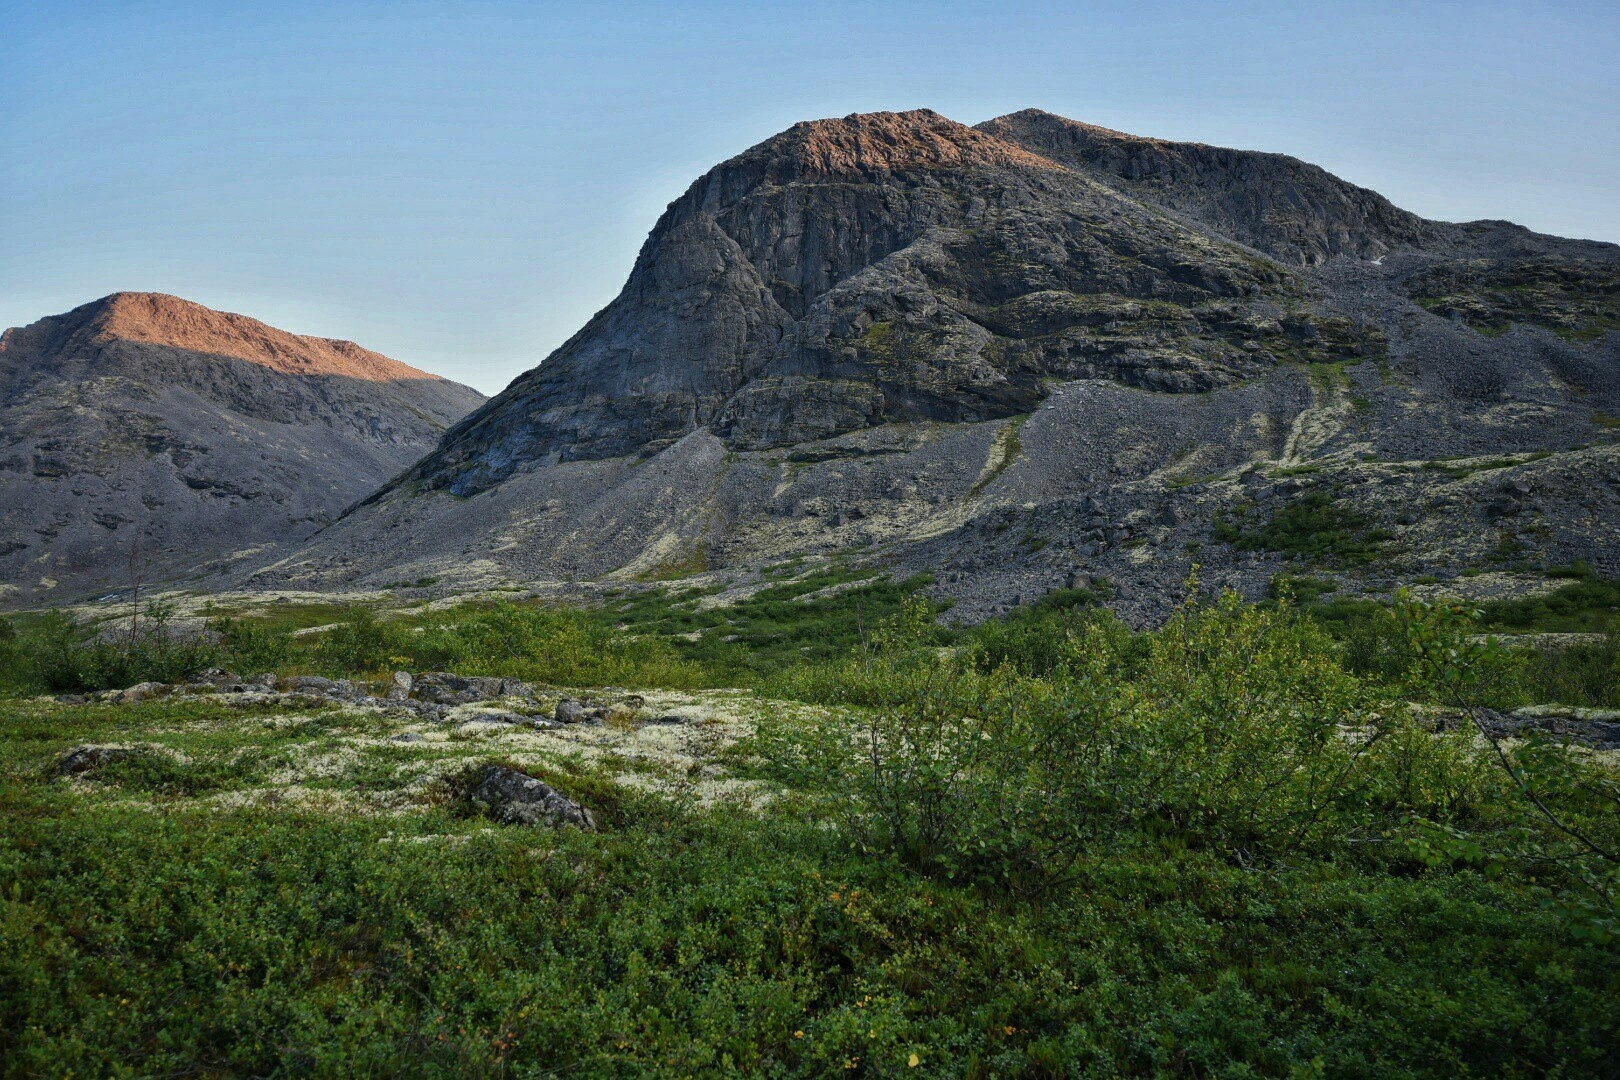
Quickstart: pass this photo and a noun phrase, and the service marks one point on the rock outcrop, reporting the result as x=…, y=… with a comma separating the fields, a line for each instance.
x=515, y=798
x=1029, y=352
x=897, y=267
x=145, y=427
x=1292, y=210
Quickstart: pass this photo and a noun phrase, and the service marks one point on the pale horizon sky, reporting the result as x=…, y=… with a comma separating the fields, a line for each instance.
x=461, y=185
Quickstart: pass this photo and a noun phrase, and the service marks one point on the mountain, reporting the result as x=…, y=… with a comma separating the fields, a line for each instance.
x=144, y=425
x=1034, y=352
x=1295, y=212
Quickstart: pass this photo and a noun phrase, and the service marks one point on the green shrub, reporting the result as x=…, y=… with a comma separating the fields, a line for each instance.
x=1318, y=526
x=551, y=646
x=63, y=657
x=251, y=646
x=360, y=644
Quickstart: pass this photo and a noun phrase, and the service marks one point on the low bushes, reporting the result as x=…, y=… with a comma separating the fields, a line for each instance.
x=1050, y=846
x=538, y=644
x=1235, y=728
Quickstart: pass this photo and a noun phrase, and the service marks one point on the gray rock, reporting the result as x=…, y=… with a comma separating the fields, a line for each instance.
x=140, y=692
x=514, y=798
x=494, y=716
x=217, y=677
x=399, y=687
x=570, y=711
x=448, y=688
x=84, y=758
x=313, y=684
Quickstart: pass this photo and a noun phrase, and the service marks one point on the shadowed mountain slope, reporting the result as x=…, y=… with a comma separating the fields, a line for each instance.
x=142, y=422
x=1294, y=211
x=1025, y=353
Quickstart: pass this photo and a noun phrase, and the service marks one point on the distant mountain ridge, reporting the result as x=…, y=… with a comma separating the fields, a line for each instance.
x=169, y=321
x=143, y=421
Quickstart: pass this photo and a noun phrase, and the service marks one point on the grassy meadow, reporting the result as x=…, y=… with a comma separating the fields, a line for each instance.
x=1260, y=840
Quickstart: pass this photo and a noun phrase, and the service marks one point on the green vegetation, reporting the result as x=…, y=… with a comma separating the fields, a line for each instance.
x=1315, y=526
x=539, y=644
x=1049, y=845
x=1191, y=479
x=816, y=616
x=1587, y=604
x=1459, y=469
x=300, y=615
x=1583, y=673
x=1577, y=300
x=694, y=560
x=1003, y=452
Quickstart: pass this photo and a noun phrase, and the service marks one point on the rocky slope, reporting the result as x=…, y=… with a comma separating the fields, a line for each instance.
x=145, y=425
x=1033, y=352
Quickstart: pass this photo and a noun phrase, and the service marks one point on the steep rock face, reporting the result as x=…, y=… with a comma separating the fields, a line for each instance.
x=144, y=424
x=1290, y=209
x=1012, y=358
x=891, y=267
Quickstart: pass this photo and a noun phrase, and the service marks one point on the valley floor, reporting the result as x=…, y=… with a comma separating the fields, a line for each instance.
x=1049, y=847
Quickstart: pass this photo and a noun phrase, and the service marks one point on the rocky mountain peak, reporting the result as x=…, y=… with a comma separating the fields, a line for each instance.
x=1288, y=208
x=1030, y=356
x=873, y=145
x=1024, y=120
x=158, y=319
x=881, y=268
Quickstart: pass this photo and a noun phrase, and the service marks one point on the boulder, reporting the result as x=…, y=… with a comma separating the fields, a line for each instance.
x=84, y=758
x=515, y=798
x=140, y=692
x=570, y=711
x=399, y=687
x=447, y=688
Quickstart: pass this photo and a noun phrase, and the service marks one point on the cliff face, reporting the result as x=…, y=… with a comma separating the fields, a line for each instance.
x=1023, y=353
x=142, y=421
x=892, y=267
x=1296, y=212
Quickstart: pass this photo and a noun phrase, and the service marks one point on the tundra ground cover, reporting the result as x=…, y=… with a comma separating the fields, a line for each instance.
x=1049, y=846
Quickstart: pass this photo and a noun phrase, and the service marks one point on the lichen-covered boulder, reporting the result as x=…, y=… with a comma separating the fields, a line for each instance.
x=515, y=798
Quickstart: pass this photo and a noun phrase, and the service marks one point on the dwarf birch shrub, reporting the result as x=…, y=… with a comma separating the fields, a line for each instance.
x=1234, y=727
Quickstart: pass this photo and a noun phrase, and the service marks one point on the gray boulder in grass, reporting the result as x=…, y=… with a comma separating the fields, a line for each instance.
x=515, y=798
x=84, y=758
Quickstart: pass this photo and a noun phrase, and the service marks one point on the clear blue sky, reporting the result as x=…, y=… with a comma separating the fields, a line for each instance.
x=460, y=185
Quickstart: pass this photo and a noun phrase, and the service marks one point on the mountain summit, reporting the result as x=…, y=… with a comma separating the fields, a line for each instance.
x=882, y=268
x=871, y=146
x=1293, y=211
x=144, y=423
x=1028, y=352
x=173, y=323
